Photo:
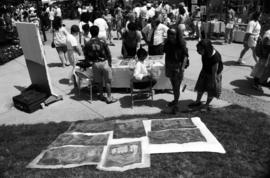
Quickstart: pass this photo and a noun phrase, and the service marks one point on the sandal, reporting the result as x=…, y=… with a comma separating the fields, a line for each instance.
x=111, y=100
x=195, y=104
x=205, y=108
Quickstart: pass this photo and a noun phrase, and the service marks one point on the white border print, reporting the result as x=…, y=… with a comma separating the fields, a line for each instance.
x=210, y=145
x=124, y=154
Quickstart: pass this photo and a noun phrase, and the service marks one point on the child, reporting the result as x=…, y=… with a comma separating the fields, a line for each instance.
x=141, y=77
x=86, y=36
x=72, y=48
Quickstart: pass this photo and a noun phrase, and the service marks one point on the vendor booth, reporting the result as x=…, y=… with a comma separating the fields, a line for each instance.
x=123, y=71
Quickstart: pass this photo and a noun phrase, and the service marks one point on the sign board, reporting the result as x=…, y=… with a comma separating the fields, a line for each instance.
x=34, y=54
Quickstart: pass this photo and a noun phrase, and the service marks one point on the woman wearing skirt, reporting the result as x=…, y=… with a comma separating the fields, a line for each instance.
x=210, y=76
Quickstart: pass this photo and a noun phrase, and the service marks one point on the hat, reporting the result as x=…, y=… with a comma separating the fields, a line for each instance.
x=148, y=5
x=182, y=4
x=31, y=8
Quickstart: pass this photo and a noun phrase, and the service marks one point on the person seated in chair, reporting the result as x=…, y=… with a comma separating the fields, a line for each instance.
x=141, y=77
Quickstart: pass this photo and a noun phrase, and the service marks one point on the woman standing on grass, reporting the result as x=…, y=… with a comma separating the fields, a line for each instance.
x=261, y=71
x=59, y=39
x=210, y=76
x=251, y=37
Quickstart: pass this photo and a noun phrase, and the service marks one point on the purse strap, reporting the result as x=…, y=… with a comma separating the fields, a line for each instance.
x=255, y=27
x=53, y=36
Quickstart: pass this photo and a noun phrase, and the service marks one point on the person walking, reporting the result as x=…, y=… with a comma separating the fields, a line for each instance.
x=211, y=74
x=251, y=37
x=59, y=39
x=102, y=25
x=109, y=19
x=261, y=71
x=72, y=48
x=176, y=60
x=229, y=25
x=97, y=52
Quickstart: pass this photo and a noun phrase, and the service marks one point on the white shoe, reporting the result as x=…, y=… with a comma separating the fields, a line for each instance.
x=241, y=62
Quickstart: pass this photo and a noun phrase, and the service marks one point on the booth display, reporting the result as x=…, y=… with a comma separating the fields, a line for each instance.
x=123, y=70
x=213, y=27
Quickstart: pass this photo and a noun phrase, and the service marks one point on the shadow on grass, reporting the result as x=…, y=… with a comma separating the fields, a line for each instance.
x=243, y=133
x=245, y=87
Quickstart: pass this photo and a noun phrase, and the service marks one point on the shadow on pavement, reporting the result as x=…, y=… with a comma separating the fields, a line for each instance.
x=244, y=87
x=20, y=88
x=54, y=64
x=235, y=63
x=64, y=81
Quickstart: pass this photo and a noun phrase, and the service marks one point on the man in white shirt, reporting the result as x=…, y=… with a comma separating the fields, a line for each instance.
x=102, y=25
x=150, y=11
x=58, y=12
x=137, y=11
x=154, y=35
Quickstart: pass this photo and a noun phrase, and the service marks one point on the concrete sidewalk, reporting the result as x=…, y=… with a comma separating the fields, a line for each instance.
x=14, y=78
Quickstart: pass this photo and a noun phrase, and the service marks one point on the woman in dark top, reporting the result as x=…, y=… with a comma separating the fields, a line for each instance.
x=131, y=39
x=210, y=77
x=176, y=60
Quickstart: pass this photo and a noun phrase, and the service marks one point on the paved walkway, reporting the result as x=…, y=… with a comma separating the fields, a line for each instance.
x=14, y=78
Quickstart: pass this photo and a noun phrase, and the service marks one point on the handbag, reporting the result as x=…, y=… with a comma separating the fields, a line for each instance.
x=252, y=41
x=52, y=44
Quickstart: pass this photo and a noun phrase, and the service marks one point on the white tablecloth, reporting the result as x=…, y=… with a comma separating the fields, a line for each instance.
x=238, y=36
x=122, y=72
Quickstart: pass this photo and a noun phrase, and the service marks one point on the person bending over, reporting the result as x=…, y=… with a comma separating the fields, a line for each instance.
x=211, y=74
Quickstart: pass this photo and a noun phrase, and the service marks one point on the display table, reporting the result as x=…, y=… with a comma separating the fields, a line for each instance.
x=238, y=36
x=211, y=27
x=122, y=71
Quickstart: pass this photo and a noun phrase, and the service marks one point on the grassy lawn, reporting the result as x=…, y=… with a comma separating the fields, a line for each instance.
x=245, y=135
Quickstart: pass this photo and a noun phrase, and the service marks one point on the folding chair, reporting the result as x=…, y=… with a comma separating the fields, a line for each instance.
x=134, y=91
x=83, y=77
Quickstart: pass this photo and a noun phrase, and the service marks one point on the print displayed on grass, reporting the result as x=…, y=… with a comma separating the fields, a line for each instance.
x=179, y=136
x=68, y=157
x=124, y=156
x=129, y=129
x=91, y=127
x=197, y=139
x=163, y=124
x=81, y=139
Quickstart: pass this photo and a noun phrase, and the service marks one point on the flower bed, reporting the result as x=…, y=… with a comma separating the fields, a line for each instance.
x=9, y=53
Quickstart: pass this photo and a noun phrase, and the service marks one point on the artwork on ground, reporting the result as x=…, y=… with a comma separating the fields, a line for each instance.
x=67, y=157
x=124, y=156
x=121, y=145
x=91, y=127
x=80, y=139
x=178, y=136
x=129, y=129
x=163, y=124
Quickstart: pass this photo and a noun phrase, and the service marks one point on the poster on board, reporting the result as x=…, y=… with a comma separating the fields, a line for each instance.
x=35, y=58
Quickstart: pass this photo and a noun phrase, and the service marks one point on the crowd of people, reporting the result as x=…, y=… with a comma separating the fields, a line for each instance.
x=163, y=28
